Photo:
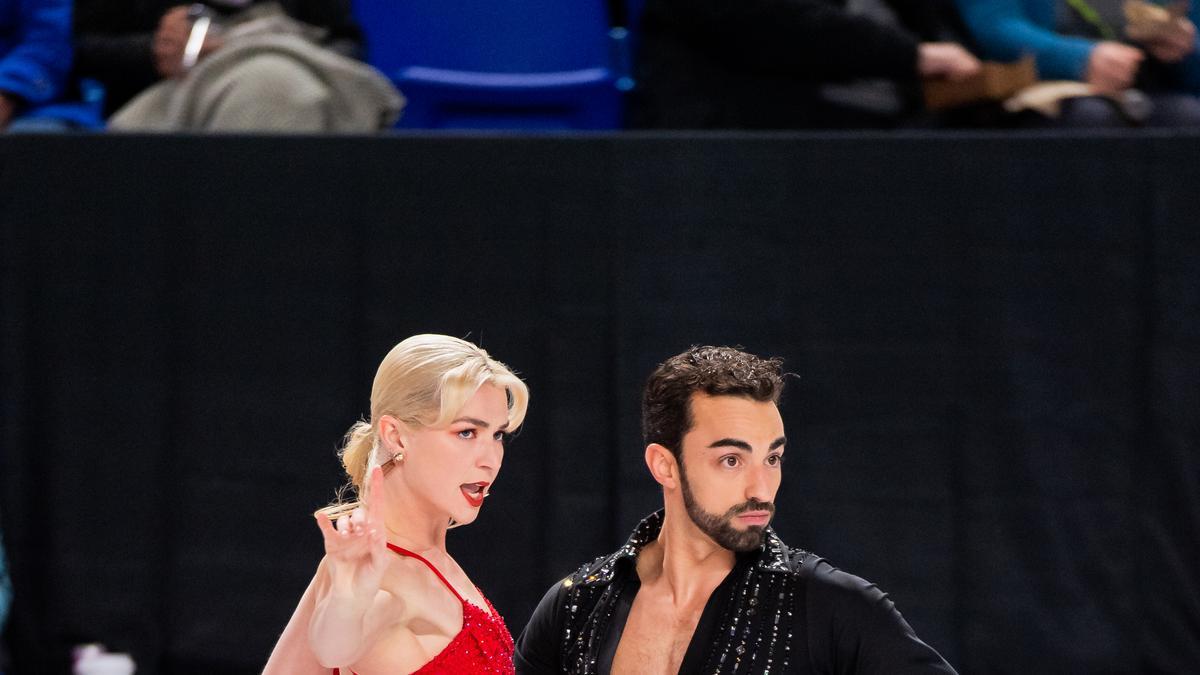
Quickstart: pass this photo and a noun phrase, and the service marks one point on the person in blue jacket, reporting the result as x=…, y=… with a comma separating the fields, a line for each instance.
x=1085, y=40
x=35, y=64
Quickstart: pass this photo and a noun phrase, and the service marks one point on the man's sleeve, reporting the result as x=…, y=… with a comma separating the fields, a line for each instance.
x=855, y=628
x=538, y=646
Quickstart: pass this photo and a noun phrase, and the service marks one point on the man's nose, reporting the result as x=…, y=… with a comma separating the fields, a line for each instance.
x=760, y=484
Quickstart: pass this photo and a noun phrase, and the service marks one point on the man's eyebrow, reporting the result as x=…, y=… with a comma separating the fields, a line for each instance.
x=731, y=443
x=479, y=423
x=743, y=445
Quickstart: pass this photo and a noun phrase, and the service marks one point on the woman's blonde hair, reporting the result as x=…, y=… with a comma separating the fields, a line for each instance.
x=424, y=382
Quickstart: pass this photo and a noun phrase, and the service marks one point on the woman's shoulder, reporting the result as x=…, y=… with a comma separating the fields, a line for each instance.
x=418, y=586
x=416, y=618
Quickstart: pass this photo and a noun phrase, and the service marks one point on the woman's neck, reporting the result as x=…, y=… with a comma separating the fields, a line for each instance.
x=416, y=529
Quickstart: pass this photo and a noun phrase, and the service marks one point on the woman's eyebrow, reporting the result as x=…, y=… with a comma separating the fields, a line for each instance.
x=479, y=423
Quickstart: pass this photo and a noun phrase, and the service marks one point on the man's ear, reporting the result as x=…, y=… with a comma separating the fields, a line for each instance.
x=662, y=465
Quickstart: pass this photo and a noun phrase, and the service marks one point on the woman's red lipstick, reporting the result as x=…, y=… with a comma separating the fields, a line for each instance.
x=474, y=493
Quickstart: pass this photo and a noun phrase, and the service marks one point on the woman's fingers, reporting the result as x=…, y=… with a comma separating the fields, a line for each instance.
x=326, y=525
x=358, y=536
x=350, y=537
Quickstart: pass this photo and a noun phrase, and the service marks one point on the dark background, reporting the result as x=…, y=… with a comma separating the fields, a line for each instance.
x=997, y=338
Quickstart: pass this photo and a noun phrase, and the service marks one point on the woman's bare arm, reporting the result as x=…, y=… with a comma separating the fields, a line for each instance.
x=350, y=608
x=292, y=655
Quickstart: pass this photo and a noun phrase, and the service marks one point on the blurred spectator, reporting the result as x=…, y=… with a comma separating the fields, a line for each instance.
x=253, y=66
x=768, y=63
x=1082, y=40
x=35, y=58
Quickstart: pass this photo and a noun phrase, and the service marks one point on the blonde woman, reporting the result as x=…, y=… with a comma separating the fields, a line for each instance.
x=387, y=598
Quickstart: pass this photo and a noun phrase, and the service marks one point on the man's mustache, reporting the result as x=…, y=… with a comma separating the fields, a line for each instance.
x=752, y=505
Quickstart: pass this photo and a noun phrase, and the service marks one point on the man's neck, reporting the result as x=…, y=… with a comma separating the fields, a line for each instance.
x=683, y=562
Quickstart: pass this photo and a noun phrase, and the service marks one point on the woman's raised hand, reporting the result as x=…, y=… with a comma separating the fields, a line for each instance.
x=356, y=547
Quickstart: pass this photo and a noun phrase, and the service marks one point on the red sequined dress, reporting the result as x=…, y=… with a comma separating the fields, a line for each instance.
x=482, y=645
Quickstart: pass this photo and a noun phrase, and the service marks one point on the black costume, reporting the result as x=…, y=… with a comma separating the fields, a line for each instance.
x=779, y=610
x=114, y=39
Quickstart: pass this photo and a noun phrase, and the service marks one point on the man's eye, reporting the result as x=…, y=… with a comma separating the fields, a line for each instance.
x=775, y=460
x=729, y=461
x=466, y=434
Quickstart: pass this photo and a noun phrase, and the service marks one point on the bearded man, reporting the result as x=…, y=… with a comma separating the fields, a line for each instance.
x=704, y=585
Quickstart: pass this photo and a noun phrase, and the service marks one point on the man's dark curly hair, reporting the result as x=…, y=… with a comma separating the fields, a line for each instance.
x=716, y=371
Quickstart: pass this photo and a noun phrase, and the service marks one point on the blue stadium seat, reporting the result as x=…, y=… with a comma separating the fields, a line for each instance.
x=483, y=64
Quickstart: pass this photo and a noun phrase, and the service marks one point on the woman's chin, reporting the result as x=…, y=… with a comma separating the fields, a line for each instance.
x=465, y=516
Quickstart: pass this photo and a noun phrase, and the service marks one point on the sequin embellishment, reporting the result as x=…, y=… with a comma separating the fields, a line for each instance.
x=753, y=635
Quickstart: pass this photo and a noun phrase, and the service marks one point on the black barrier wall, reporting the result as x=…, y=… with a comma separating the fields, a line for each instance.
x=997, y=338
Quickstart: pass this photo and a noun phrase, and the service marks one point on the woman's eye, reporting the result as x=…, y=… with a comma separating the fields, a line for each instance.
x=466, y=434
x=499, y=436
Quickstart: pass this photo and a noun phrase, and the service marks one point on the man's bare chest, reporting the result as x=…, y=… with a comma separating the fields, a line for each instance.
x=656, y=636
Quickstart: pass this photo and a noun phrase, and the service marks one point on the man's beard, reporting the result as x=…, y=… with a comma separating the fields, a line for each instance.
x=720, y=528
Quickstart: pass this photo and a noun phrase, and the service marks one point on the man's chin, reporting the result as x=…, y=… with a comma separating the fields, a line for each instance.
x=744, y=538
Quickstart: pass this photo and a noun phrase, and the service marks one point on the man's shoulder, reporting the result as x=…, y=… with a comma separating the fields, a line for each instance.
x=776, y=556
x=602, y=570
x=589, y=579
x=598, y=572
x=815, y=572
x=564, y=610
x=837, y=602
x=836, y=590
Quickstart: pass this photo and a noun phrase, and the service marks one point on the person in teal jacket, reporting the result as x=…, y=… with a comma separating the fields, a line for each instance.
x=1084, y=40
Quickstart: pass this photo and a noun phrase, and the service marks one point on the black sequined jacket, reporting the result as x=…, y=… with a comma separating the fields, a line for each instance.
x=780, y=610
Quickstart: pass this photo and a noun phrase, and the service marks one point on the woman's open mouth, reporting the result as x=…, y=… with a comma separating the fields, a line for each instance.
x=474, y=493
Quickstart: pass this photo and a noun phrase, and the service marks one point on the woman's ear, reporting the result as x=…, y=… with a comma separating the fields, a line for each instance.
x=393, y=434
